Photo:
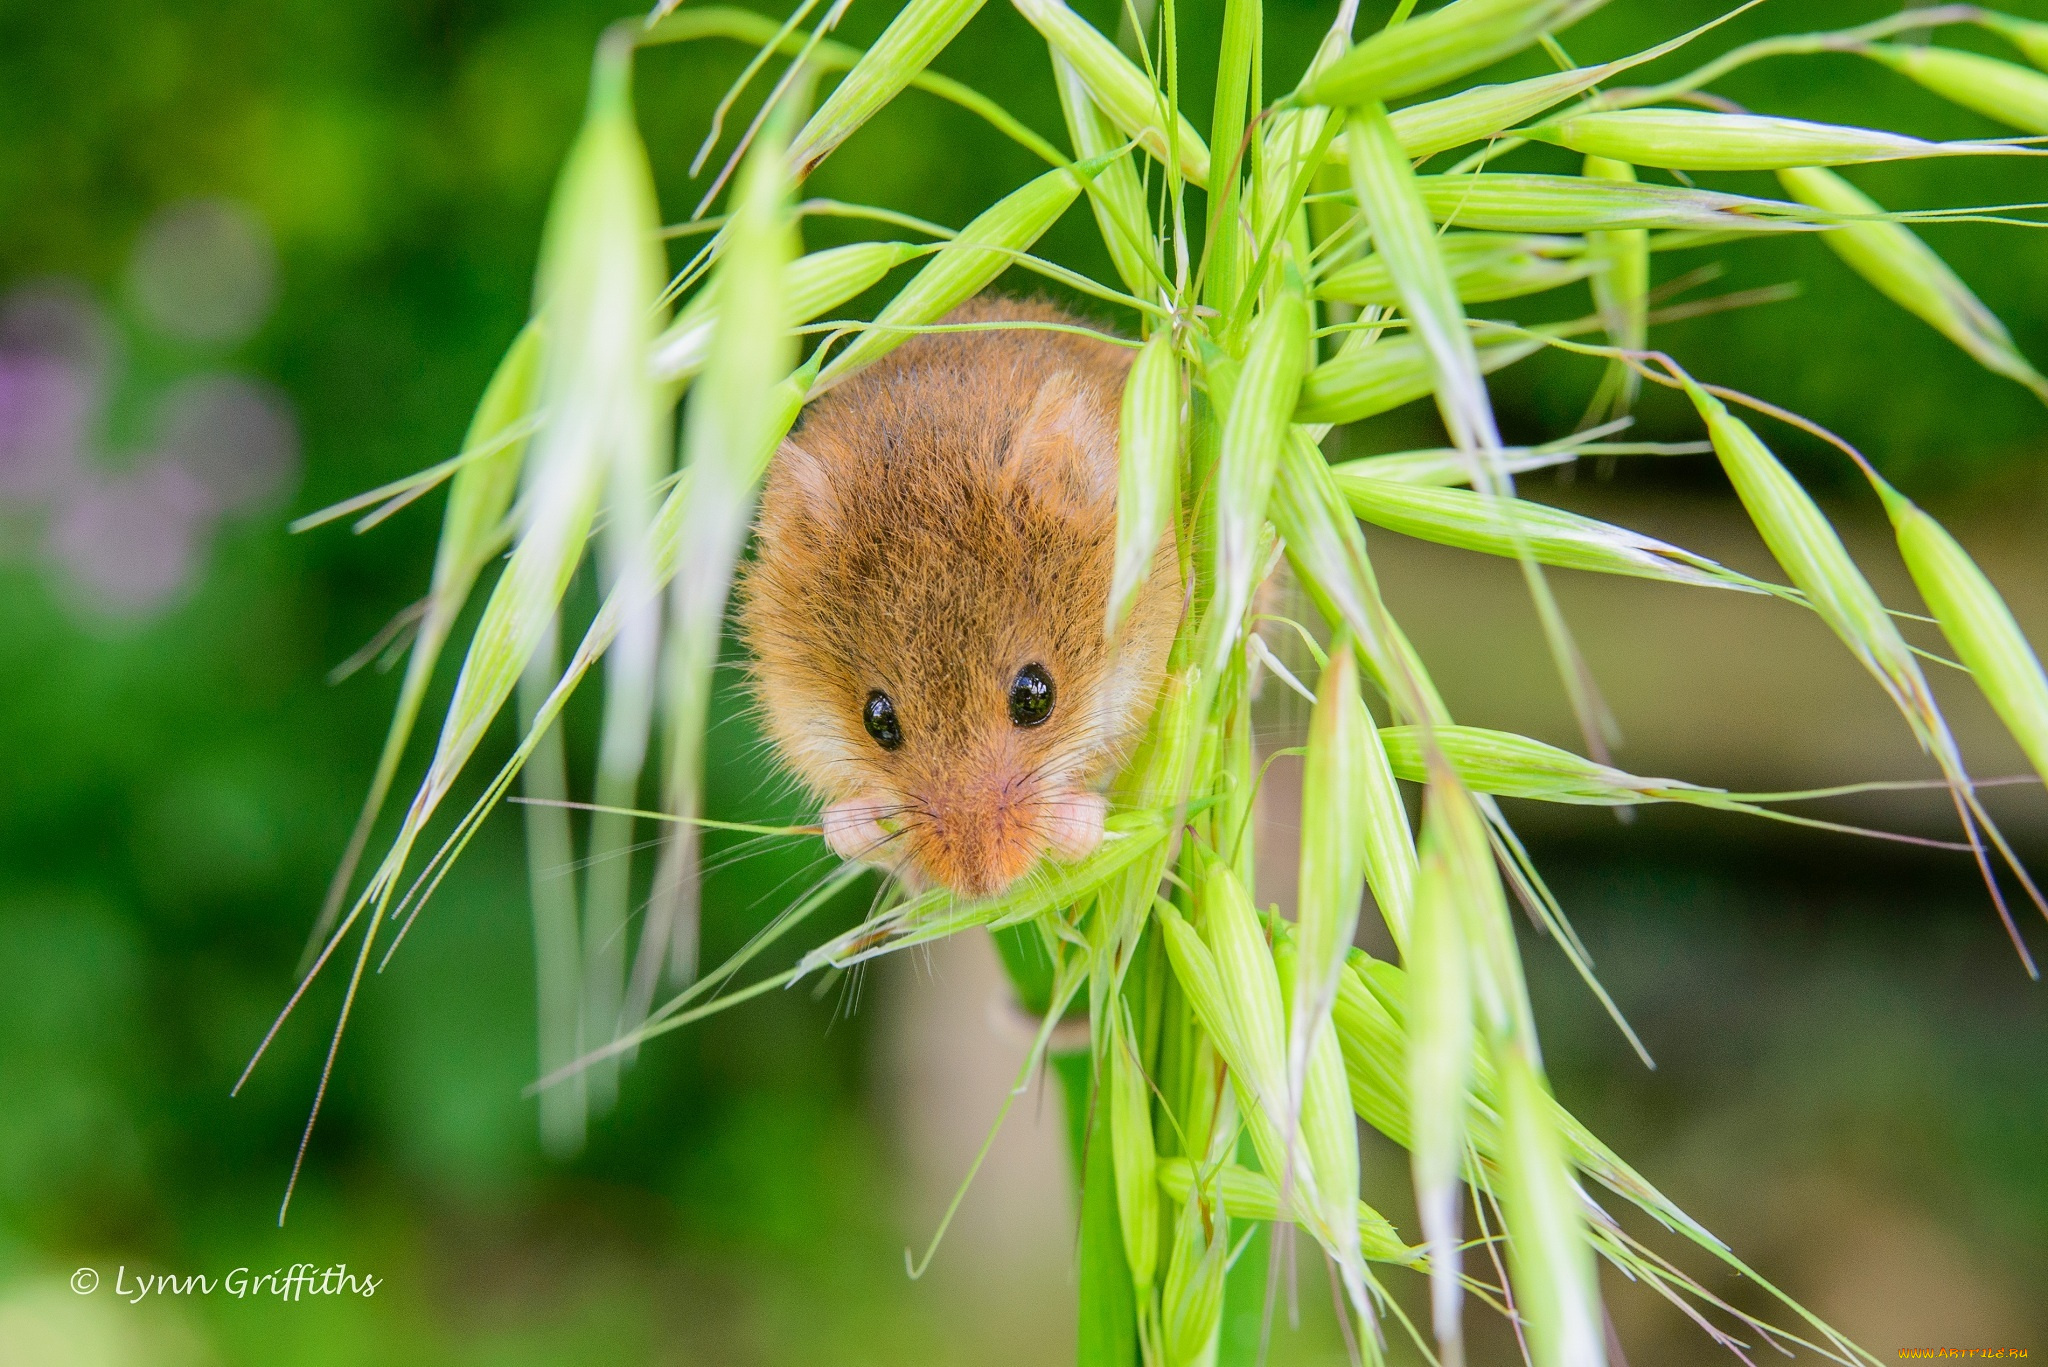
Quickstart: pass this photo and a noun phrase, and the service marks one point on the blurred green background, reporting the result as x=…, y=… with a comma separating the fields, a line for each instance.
x=1851, y=1085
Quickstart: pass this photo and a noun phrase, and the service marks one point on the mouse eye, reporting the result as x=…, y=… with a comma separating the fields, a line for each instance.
x=878, y=714
x=1031, y=696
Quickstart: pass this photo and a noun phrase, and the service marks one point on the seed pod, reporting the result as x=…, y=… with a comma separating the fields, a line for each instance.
x=915, y=36
x=1327, y=552
x=1254, y=1039
x=1476, y=522
x=2011, y=94
x=1483, y=111
x=1434, y=126
x=2028, y=35
x=1704, y=140
x=1262, y=400
x=1386, y=189
x=1130, y=1135
x=1292, y=137
x=1574, y=204
x=1115, y=192
x=1371, y=1020
x=600, y=276
x=984, y=249
x=1387, y=843
x=1439, y=1056
x=1483, y=267
x=764, y=34
x=1328, y=1134
x=1508, y=765
x=1253, y=1196
x=1814, y=558
x=1130, y=99
x=665, y=538
x=1335, y=791
x=1373, y=1037
x=1621, y=292
x=1228, y=249
x=1362, y=381
x=814, y=284
x=1191, y=1300
x=1550, y=1260
x=1227, y=976
x=1443, y=44
x=1906, y=270
x=1447, y=467
x=724, y=431
x=1148, y=456
x=1977, y=623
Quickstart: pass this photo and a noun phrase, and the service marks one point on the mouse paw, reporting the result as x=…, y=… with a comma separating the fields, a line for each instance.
x=852, y=830
x=1073, y=824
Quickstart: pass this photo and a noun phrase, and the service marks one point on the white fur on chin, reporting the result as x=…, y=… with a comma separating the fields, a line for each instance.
x=1073, y=825
x=852, y=831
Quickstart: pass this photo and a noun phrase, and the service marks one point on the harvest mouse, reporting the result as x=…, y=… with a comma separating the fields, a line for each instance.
x=925, y=608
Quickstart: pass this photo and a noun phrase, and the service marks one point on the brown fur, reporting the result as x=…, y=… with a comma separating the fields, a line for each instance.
x=938, y=522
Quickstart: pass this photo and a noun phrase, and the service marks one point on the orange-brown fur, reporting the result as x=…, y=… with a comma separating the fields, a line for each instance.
x=939, y=521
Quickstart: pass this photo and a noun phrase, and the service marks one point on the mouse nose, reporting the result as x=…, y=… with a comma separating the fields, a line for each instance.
x=980, y=839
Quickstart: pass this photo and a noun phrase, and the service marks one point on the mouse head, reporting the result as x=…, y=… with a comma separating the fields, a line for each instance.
x=925, y=612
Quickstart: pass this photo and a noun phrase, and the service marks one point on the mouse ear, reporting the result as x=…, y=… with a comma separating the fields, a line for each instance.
x=1065, y=447
x=803, y=477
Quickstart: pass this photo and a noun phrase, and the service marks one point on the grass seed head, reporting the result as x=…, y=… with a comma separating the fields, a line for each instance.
x=1484, y=268
x=1136, y=1160
x=1386, y=187
x=1977, y=623
x=1191, y=1301
x=1335, y=791
x=1550, y=1260
x=814, y=285
x=1439, y=1059
x=1813, y=557
x=1475, y=115
x=1364, y=381
x=1123, y=92
x=1621, y=292
x=2013, y=95
x=2028, y=35
x=1474, y=522
x=1517, y=203
x=920, y=30
x=1906, y=270
x=1442, y=45
x=1708, y=140
x=1148, y=454
x=958, y=271
x=1116, y=192
x=1254, y=429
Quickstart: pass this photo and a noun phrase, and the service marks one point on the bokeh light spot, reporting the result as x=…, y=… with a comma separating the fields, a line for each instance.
x=236, y=436
x=205, y=271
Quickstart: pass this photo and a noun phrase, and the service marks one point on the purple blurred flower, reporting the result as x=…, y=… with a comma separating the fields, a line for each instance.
x=56, y=348
x=235, y=436
x=129, y=541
